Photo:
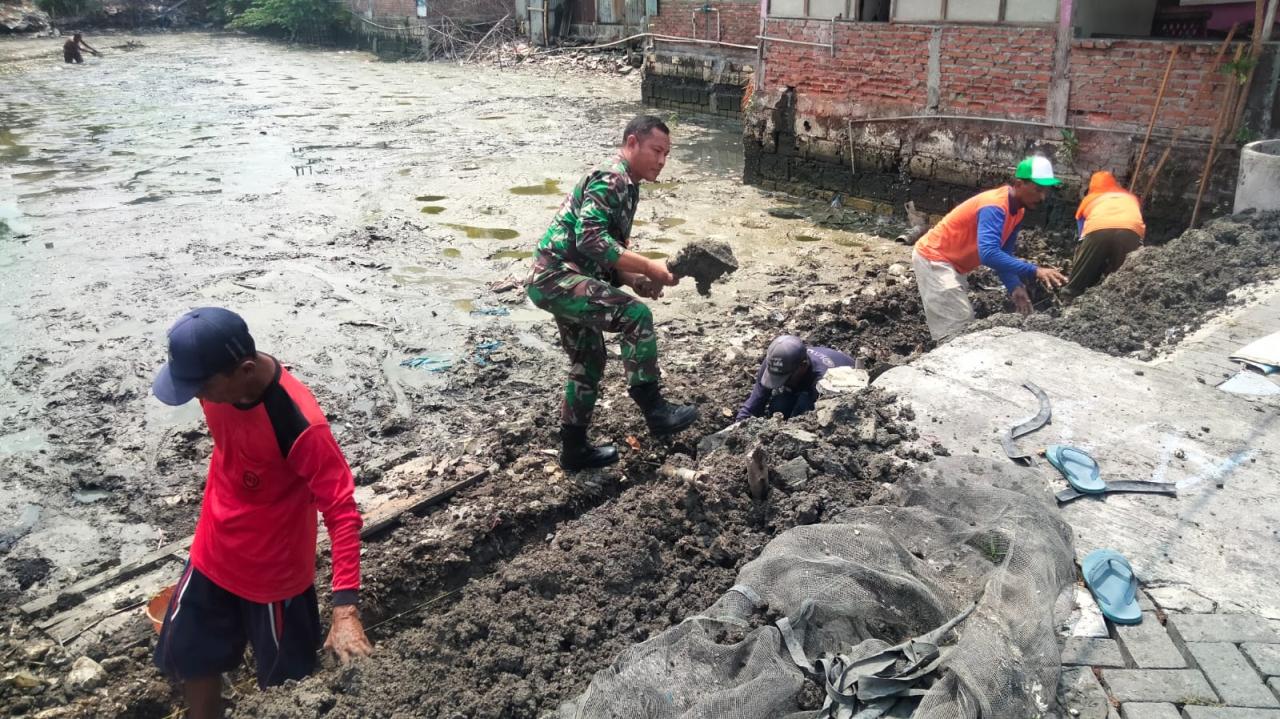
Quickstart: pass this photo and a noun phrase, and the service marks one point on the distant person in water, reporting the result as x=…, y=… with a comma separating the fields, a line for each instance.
x=71, y=49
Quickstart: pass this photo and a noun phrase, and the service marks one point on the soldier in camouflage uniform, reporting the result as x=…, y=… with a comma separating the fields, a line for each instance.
x=581, y=263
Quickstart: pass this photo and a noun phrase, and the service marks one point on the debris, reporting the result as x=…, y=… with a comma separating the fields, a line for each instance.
x=499, y=312
x=504, y=285
x=705, y=261
x=633, y=443
x=843, y=380
x=23, y=679
x=794, y=474
x=758, y=474
x=86, y=675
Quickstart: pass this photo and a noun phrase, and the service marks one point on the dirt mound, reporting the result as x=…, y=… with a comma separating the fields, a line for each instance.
x=556, y=602
x=1163, y=293
x=705, y=261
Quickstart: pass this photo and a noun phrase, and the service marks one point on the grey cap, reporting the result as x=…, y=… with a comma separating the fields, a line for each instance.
x=784, y=357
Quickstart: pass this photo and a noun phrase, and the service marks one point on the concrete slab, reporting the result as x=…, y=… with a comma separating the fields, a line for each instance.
x=1082, y=695
x=1147, y=710
x=1181, y=600
x=1090, y=652
x=1231, y=676
x=1200, y=712
x=1158, y=685
x=1159, y=425
x=1147, y=645
x=1265, y=657
x=1233, y=628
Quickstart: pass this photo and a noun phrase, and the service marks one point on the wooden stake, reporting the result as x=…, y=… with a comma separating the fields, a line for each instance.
x=1190, y=110
x=1219, y=129
x=1155, y=110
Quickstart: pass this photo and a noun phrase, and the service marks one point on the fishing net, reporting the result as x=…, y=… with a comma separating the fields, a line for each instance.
x=942, y=604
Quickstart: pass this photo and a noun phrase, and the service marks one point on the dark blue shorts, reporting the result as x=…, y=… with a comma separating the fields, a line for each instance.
x=206, y=629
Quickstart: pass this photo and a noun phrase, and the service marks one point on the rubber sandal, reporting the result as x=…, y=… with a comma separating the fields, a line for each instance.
x=1114, y=585
x=1078, y=467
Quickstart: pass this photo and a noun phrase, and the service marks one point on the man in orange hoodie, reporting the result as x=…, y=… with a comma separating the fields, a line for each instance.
x=1110, y=224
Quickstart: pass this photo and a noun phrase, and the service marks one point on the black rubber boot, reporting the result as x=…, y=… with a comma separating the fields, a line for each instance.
x=662, y=416
x=576, y=454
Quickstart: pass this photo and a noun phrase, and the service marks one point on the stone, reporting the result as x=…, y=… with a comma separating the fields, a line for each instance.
x=800, y=435
x=1231, y=628
x=1081, y=694
x=1147, y=645
x=1200, y=712
x=1091, y=652
x=1231, y=676
x=795, y=473
x=1266, y=657
x=897, y=269
x=36, y=651
x=86, y=675
x=115, y=665
x=1158, y=685
x=1181, y=600
x=825, y=410
x=1146, y=710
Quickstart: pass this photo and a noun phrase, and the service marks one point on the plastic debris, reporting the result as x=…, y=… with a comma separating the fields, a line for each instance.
x=499, y=312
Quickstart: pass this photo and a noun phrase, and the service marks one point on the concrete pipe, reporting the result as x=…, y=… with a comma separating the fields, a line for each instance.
x=1259, y=183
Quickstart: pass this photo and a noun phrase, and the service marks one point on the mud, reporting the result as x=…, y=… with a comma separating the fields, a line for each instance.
x=705, y=262
x=1164, y=293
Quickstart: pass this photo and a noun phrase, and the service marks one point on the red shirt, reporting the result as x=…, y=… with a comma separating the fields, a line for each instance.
x=275, y=464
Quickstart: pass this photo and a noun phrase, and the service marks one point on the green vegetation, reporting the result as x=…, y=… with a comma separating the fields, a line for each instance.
x=286, y=15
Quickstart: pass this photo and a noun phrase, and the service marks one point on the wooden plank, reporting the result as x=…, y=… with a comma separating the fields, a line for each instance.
x=415, y=504
x=381, y=518
x=123, y=571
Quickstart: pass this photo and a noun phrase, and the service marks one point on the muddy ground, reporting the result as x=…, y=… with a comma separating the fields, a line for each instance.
x=358, y=214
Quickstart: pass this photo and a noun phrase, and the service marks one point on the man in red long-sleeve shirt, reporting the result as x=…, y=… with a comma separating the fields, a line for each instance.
x=251, y=576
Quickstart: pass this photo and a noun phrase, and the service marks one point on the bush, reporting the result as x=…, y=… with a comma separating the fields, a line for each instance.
x=288, y=15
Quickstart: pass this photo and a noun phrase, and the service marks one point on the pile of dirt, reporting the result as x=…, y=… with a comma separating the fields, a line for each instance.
x=1163, y=293
x=553, y=603
x=705, y=261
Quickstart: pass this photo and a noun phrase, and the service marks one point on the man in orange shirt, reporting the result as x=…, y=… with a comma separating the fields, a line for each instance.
x=1110, y=224
x=982, y=230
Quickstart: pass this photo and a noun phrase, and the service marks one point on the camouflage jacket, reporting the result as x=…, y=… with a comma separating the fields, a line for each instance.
x=591, y=229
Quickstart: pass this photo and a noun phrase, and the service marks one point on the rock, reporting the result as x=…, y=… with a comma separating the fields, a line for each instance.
x=37, y=650
x=23, y=680
x=800, y=435
x=795, y=473
x=86, y=675
x=115, y=665
x=23, y=16
x=897, y=270
x=826, y=412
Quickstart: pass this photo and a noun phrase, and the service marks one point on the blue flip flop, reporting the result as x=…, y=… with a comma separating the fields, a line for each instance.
x=1078, y=467
x=1112, y=581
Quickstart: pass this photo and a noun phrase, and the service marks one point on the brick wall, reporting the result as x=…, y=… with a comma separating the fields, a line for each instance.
x=995, y=71
x=1114, y=84
x=478, y=9
x=876, y=70
x=739, y=20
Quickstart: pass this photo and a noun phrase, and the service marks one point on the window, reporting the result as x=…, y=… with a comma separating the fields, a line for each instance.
x=1014, y=11
x=869, y=10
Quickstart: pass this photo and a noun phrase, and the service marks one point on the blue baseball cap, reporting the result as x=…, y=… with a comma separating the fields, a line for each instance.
x=785, y=355
x=202, y=343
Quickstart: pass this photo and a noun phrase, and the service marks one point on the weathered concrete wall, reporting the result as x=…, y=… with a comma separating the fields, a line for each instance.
x=696, y=82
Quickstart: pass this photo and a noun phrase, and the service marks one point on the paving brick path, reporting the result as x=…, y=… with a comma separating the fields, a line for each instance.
x=1178, y=664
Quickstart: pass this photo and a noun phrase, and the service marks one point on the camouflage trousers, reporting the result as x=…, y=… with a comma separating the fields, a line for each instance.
x=584, y=310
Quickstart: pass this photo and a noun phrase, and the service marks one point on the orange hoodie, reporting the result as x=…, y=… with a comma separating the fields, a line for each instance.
x=1108, y=206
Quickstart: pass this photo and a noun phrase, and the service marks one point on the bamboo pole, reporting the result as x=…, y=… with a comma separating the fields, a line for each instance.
x=1219, y=129
x=1155, y=110
x=1222, y=51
